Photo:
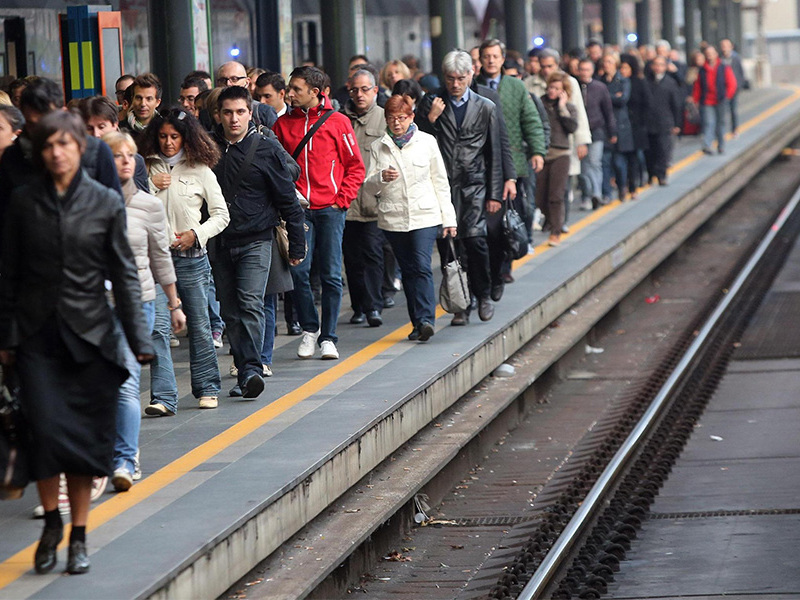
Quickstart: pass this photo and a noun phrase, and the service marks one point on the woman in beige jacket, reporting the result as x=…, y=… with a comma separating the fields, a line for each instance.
x=407, y=176
x=180, y=155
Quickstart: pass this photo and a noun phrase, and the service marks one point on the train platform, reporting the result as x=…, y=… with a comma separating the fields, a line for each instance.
x=727, y=521
x=223, y=489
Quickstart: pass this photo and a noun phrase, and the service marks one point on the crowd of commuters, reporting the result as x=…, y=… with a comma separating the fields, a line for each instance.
x=249, y=189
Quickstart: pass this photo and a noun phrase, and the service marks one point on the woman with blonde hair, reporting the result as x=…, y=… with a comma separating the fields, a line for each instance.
x=392, y=72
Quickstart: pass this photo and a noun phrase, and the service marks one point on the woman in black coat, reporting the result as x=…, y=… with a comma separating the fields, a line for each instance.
x=617, y=156
x=638, y=109
x=63, y=236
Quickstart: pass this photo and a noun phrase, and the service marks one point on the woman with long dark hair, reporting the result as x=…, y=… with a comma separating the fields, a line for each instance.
x=64, y=234
x=179, y=155
x=638, y=109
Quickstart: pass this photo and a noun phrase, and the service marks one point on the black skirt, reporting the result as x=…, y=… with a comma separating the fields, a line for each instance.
x=69, y=398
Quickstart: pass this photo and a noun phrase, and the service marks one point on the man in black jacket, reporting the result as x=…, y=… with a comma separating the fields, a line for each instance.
x=664, y=119
x=467, y=129
x=259, y=190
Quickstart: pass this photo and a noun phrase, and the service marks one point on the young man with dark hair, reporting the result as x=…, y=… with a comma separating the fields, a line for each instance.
x=259, y=193
x=122, y=84
x=145, y=101
x=331, y=175
x=190, y=89
x=271, y=89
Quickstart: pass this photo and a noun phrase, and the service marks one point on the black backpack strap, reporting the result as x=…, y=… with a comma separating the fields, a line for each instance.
x=248, y=160
x=311, y=132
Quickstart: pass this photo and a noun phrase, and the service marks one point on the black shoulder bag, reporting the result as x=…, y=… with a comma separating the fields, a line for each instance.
x=14, y=448
x=310, y=133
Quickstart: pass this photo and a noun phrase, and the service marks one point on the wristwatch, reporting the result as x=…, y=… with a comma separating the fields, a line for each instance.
x=180, y=305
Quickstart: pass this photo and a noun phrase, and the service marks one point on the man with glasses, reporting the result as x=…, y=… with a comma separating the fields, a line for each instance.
x=363, y=241
x=190, y=89
x=233, y=73
x=121, y=85
x=466, y=127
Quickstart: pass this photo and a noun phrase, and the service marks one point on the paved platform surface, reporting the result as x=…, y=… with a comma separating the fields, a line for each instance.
x=727, y=521
x=208, y=472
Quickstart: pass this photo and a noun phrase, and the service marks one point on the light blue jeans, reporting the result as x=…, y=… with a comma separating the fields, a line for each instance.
x=714, y=124
x=163, y=387
x=592, y=172
x=129, y=410
x=270, y=310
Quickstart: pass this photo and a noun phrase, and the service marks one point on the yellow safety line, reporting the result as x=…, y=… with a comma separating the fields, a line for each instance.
x=17, y=565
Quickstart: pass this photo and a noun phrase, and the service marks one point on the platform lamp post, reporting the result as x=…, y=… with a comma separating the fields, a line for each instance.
x=447, y=29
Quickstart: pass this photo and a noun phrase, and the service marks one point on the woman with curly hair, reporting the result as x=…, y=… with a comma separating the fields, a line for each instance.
x=179, y=155
x=392, y=72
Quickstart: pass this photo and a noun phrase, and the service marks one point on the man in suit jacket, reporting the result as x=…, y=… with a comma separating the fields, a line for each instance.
x=466, y=127
x=664, y=119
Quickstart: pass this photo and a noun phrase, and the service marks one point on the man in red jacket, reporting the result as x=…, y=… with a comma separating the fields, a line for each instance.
x=713, y=89
x=331, y=173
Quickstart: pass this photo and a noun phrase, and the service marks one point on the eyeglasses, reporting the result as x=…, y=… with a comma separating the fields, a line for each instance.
x=234, y=80
x=189, y=99
x=363, y=89
x=397, y=118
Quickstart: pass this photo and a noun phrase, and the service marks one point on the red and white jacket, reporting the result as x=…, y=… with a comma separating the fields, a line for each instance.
x=331, y=168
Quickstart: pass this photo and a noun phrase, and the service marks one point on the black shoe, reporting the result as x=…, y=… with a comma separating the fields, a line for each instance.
x=508, y=278
x=473, y=304
x=358, y=318
x=374, y=318
x=425, y=331
x=707, y=151
x=253, y=386
x=721, y=150
x=459, y=319
x=388, y=302
x=45, y=558
x=414, y=335
x=77, y=559
x=235, y=391
x=485, y=309
x=595, y=202
x=293, y=328
x=663, y=181
x=497, y=291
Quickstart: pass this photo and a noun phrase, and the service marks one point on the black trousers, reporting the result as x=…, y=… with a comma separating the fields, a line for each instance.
x=474, y=255
x=362, y=247
x=659, y=154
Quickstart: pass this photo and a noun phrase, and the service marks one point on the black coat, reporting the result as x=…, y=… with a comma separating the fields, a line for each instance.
x=620, y=90
x=57, y=255
x=258, y=198
x=638, y=111
x=666, y=108
x=472, y=156
x=509, y=170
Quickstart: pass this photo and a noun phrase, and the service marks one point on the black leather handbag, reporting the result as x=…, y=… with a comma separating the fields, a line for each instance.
x=14, y=442
x=515, y=236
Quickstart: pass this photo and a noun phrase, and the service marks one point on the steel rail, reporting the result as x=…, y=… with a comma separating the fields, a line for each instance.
x=582, y=517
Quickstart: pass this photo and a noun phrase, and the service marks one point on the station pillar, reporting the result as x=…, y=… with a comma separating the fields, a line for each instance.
x=689, y=26
x=706, y=33
x=273, y=27
x=179, y=42
x=570, y=13
x=668, y=21
x=643, y=28
x=447, y=29
x=610, y=16
x=519, y=20
x=736, y=25
x=722, y=20
x=342, y=36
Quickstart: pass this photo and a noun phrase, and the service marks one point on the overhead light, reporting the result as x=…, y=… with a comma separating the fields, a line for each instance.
x=632, y=37
x=234, y=51
x=538, y=41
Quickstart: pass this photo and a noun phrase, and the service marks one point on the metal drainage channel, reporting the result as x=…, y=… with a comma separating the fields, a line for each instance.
x=595, y=528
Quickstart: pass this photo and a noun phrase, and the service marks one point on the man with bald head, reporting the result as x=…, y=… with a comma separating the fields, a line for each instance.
x=233, y=73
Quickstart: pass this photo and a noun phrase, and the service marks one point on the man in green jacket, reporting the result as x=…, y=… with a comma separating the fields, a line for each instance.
x=524, y=125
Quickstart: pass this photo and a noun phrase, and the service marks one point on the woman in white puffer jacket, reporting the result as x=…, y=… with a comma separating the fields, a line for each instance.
x=408, y=179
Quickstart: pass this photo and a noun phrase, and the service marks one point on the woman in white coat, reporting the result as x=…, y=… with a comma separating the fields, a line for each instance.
x=179, y=155
x=408, y=178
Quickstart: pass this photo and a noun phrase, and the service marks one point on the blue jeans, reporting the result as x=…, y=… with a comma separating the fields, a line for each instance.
x=270, y=310
x=163, y=387
x=242, y=273
x=217, y=324
x=413, y=250
x=324, y=239
x=713, y=118
x=592, y=172
x=193, y=276
x=129, y=410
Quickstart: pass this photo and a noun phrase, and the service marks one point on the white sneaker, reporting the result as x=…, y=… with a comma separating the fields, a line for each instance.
x=122, y=480
x=538, y=217
x=137, y=468
x=329, y=351
x=207, y=402
x=174, y=342
x=308, y=345
x=266, y=370
x=233, y=371
x=586, y=204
